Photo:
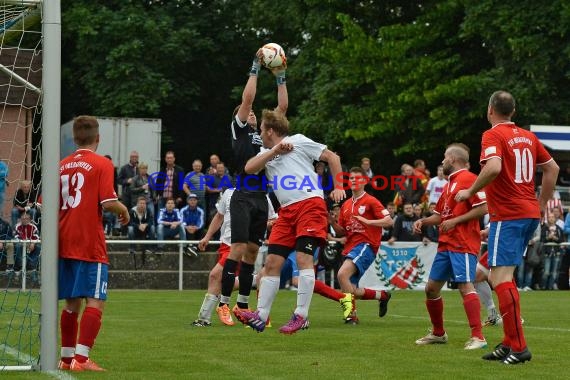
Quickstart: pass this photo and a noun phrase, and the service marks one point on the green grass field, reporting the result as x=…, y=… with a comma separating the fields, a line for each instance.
x=148, y=335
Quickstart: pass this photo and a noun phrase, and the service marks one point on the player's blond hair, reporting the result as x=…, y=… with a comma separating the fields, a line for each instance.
x=275, y=120
x=85, y=130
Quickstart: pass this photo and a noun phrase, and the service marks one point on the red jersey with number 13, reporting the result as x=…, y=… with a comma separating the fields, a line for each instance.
x=86, y=181
x=511, y=194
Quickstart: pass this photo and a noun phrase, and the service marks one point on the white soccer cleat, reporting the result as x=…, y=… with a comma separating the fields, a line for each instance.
x=475, y=343
x=432, y=339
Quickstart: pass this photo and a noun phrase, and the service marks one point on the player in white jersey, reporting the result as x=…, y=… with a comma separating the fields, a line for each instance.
x=222, y=220
x=303, y=218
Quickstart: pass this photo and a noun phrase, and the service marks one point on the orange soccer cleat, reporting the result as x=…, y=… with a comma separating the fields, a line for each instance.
x=225, y=315
x=89, y=365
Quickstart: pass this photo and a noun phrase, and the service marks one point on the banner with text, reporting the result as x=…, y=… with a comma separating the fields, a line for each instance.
x=402, y=265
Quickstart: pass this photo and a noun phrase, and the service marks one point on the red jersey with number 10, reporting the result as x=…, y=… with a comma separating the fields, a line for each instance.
x=511, y=194
x=86, y=181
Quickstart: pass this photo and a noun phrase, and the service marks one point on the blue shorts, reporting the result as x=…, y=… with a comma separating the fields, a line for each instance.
x=456, y=266
x=82, y=279
x=362, y=257
x=508, y=240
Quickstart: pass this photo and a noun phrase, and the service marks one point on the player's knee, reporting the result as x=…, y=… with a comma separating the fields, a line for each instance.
x=308, y=244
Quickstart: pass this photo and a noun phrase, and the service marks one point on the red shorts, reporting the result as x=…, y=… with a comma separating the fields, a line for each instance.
x=305, y=218
x=223, y=253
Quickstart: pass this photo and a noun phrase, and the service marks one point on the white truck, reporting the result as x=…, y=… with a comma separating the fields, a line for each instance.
x=120, y=136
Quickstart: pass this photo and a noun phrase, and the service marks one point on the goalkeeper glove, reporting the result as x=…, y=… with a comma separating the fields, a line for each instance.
x=255, y=65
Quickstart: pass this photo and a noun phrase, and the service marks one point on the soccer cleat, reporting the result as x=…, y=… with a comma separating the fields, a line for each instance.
x=352, y=320
x=89, y=365
x=475, y=343
x=252, y=320
x=383, y=305
x=295, y=324
x=493, y=321
x=201, y=323
x=63, y=366
x=432, y=339
x=237, y=312
x=225, y=315
x=347, y=305
x=517, y=357
x=501, y=351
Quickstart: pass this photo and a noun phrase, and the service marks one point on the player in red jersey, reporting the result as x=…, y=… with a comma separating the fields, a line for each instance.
x=509, y=156
x=458, y=247
x=86, y=181
x=361, y=220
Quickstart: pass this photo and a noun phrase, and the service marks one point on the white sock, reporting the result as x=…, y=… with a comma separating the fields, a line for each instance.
x=268, y=289
x=225, y=299
x=305, y=291
x=242, y=299
x=208, y=305
x=485, y=294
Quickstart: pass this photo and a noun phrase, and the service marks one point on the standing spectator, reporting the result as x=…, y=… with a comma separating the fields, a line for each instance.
x=213, y=168
x=168, y=183
x=109, y=218
x=3, y=183
x=217, y=187
x=531, y=261
x=550, y=237
x=125, y=178
x=193, y=219
x=7, y=248
x=404, y=226
x=194, y=185
x=413, y=190
x=83, y=261
x=141, y=226
x=24, y=201
x=27, y=230
x=435, y=186
x=457, y=250
x=169, y=224
x=365, y=165
x=558, y=217
x=325, y=181
x=115, y=176
x=554, y=203
x=140, y=187
x=509, y=156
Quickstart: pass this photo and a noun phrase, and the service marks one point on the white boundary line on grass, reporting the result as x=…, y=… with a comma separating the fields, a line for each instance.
x=557, y=329
x=27, y=358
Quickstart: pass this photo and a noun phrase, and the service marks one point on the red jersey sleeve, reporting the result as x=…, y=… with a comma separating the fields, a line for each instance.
x=490, y=146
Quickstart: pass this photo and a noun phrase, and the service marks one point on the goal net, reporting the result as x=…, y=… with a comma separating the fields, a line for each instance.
x=20, y=182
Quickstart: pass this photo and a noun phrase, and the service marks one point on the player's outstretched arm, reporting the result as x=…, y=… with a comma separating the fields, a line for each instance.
x=257, y=163
x=248, y=95
x=282, y=95
x=118, y=208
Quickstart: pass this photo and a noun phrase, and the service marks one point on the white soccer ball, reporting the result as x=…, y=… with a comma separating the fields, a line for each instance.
x=273, y=56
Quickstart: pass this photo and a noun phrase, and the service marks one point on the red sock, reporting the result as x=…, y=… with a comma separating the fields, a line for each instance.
x=68, y=327
x=371, y=294
x=89, y=328
x=509, y=306
x=326, y=291
x=435, y=310
x=472, y=308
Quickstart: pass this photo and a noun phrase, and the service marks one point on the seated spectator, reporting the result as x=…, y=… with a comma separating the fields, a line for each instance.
x=139, y=187
x=141, y=226
x=7, y=248
x=550, y=238
x=27, y=230
x=193, y=219
x=24, y=201
x=213, y=168
x=404, y=226
x=109, y=223
x=169, y=224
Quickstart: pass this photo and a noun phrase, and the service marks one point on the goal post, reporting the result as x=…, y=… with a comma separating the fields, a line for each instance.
x=51, y=83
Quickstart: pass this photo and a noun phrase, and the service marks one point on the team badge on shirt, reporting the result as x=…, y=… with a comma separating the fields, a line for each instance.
x=361, y=210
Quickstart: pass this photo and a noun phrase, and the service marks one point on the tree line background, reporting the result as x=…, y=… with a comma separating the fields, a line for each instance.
x=393, y=80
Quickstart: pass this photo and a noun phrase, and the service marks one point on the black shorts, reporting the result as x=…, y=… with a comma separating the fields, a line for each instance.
x=248, y=212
